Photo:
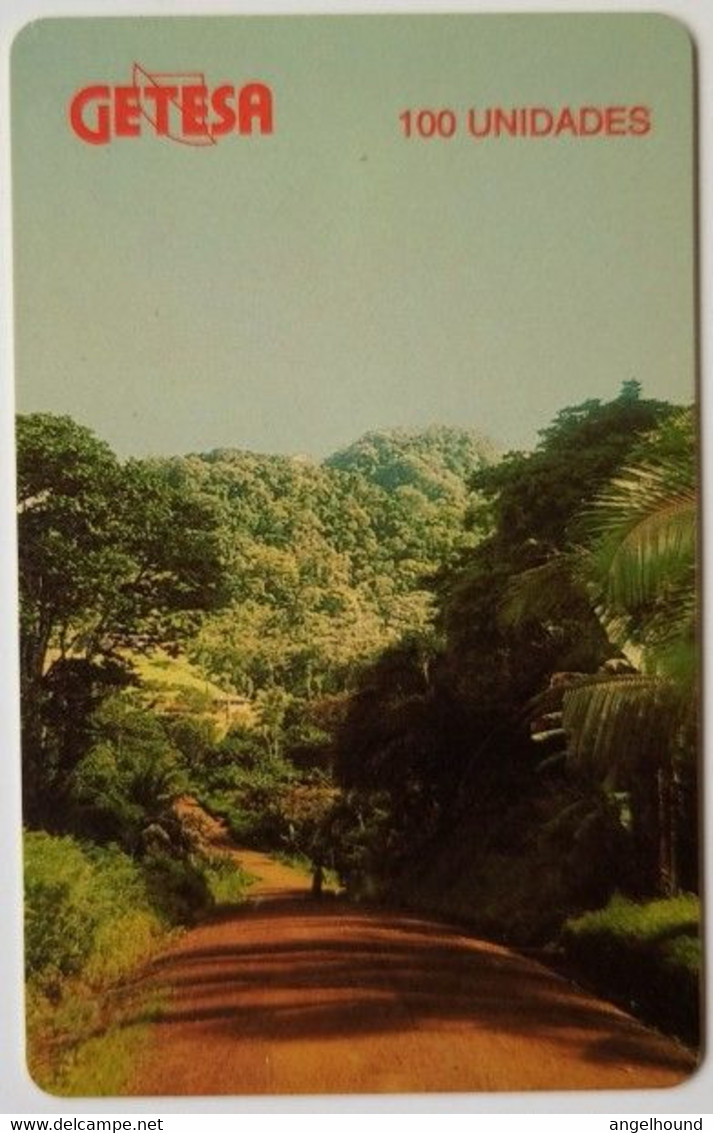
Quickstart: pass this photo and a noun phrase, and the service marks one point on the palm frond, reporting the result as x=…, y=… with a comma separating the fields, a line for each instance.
x=644, y=537
x=545, y=592
x=616, y=725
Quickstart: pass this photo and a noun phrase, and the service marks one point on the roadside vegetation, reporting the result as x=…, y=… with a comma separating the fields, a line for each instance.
x=647, y=954
x=460, y=683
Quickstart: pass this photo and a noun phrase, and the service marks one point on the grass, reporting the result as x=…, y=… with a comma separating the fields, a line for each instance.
x=160, y=669
x=94, y=1042
x=228, y=883
x=633, y=921
x=103, y=1066
x=79, y=1040
x=175, y=684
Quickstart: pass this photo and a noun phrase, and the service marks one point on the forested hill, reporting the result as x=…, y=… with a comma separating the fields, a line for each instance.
x=328, y=560
x=436, y=461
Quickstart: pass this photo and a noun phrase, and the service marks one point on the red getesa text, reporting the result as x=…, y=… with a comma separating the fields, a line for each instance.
x=181, y=107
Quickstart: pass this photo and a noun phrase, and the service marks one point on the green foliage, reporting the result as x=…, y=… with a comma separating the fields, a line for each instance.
x=528, y=511
x=267, y=801
x=329, y=561
x=647, y=540
x=94, y=916
x=194, y=701
x=195, y=737
x=637, y=731
x=553, y=592
x=618, y=570
x=305, y=811
x=94, y=912
x=71, y=552
x=227, y=883
x=434, y=462
x=87, y=910
x=643, y=535
x=464, y=819
x=125, y=784
x=395, y=744
x=242, y=746
x=620, y=725
x=647, y=953
x=174, y=683
x=639, y=922
x=361, y=837
x=271, y=707
x=516, y=867
x=178, y=887
x=99, y=1066
x=246, y=785
x=307, y=745
x=539, y=496
x=109, y=553
x=391, y=614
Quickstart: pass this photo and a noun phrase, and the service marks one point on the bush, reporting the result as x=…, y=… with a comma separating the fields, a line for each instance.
x=507, y=898
x=177, y=887
x=92, y=916
x=195, y=737
x=59, y=912
x=245, y=786
x=227, y=882
x=513, y=871
x=87, y=911
x=242, y=745
x=93, y=912
x=648, y=954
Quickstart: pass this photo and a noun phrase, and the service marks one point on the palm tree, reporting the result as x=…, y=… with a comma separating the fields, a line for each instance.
x=632, y=730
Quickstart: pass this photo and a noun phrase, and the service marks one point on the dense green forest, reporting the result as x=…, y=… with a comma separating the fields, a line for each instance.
x=463, y=683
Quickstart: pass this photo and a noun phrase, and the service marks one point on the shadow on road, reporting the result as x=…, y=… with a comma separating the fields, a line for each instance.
x=291, y=970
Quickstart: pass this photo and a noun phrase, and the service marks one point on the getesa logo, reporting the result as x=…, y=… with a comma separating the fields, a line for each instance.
x=176, y=105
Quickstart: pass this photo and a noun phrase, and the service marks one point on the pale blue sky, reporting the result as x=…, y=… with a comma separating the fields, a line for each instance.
x=289, y=293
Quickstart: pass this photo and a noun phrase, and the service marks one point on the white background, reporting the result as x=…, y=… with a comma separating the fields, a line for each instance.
x=18, y=1095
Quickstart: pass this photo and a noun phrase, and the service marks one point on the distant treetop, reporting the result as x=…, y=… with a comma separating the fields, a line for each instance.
x=437, y=460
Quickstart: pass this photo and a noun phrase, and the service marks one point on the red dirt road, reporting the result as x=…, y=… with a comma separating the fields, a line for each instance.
x=290, y=995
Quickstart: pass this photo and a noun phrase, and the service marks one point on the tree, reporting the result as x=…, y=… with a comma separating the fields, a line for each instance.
x=122, y=789
x=110, y=554
x=641, y=728
x=635, y=731
x=70, y=555
x=453, y=755
x=533, y=498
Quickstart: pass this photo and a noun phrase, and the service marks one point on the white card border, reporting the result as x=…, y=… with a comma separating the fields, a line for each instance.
x=18, y=1095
